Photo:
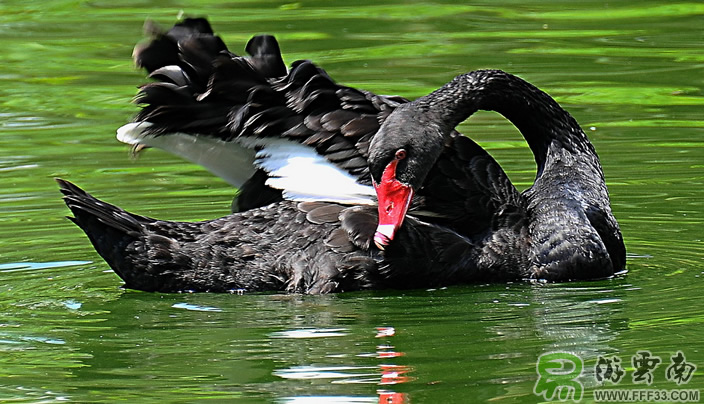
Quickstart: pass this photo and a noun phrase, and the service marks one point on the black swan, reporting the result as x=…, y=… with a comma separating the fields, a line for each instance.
x=561, y=228
x=301, y=247
x=254, y=123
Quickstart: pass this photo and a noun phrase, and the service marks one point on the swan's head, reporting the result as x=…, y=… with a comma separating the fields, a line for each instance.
x=401, y=154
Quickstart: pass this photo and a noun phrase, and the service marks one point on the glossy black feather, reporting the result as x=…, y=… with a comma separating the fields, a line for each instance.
x=251, y=97
x=254, y=96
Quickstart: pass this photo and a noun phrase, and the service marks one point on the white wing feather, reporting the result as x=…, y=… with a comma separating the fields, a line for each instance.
x=298, y=170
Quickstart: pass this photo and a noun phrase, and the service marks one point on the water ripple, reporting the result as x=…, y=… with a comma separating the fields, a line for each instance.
x=31, y=266
x=311, y=333
x=195, y=307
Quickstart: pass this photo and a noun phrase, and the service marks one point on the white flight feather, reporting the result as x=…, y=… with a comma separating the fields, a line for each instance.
x=227, y=160
x=305, y=175
x=298, y=170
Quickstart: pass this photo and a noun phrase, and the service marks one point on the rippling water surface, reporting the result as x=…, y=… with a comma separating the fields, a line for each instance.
x=630, y=72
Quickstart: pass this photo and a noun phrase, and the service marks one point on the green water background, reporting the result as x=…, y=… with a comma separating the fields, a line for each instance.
x=630, y=73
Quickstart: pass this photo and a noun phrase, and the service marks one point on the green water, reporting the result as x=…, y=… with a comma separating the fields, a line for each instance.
x=630, y=72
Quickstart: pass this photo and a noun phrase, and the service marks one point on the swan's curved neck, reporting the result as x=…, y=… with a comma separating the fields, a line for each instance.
x=539, y=118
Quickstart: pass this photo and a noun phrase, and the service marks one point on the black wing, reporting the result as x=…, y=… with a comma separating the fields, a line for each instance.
x=205, y=90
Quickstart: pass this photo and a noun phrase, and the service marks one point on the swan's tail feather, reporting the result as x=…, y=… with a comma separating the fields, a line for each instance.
x=88, y=209
x=111, y=230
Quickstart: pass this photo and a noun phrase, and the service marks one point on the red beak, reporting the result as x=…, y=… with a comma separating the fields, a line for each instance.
x=394, y=198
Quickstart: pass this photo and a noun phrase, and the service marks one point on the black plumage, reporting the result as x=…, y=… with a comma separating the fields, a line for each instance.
x=243, y=98
x=304, y=247
x=560, y=228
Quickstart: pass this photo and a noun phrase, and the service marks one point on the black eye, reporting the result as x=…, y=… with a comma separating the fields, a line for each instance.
x=400, y=154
